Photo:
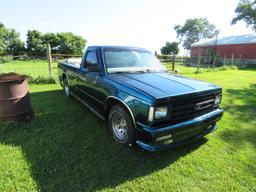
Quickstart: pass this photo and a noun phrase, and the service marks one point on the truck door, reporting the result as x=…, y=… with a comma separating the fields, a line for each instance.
x=73, y=79
x=89, y=81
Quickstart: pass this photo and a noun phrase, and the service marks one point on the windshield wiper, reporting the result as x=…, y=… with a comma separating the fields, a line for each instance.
x=151, y=71
x=118, y=72
x=139, y=71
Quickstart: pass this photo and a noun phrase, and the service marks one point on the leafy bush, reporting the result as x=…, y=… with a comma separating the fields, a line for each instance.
x=5, y=59
x=223, y=68
x=42, y=80
x=233, y=67
x=199, y=71
x=226, y=67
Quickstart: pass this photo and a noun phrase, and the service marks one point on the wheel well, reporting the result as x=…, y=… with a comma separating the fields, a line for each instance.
x=64, y=76
x=111, y=102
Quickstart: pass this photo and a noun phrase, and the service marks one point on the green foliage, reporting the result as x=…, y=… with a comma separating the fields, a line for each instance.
x=10, y=42
x=184, y=70
x=199, y=71
x=52, y=39
x=222, y=68
x=70, y=43
x=35, y=44
x=2, y=33
x=62, y=43
x=164, y=56
x=5, y=59
x=170, y=48
x=246, y=11
x=193, y=30
x=33, y=68
x=42, y=80
x=36, y=71
x=65, y=43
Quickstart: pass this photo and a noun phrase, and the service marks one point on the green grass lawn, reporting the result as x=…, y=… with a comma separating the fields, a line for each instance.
x=67, y=148
x=33, y=68
x=36, y=68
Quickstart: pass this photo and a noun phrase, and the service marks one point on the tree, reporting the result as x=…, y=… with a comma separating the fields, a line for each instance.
x=53, y=40
x=64, y=43
x=67, y=43
x=2, y=34
x=10, y=42
x=193, y=30
x=35, y=45
x=13, y=43
x=170, y=48
x=70, y=43
x=246, y=11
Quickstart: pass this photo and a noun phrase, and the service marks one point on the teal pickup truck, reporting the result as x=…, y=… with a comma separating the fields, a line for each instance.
x=142, y=103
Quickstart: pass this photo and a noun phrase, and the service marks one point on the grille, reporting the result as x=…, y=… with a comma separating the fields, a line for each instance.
x=192, y=107
x=183, y=110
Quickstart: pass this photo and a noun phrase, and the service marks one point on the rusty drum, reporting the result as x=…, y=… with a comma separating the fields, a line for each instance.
x=15, y=102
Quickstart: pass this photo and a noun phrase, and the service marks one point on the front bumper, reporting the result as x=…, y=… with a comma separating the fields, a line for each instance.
x=178, y=134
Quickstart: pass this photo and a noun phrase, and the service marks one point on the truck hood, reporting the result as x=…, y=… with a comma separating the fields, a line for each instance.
x=161, y=85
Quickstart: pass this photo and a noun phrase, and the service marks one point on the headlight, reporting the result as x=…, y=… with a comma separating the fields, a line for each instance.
x=151, y=114
x=161, y=112
x=217, y=100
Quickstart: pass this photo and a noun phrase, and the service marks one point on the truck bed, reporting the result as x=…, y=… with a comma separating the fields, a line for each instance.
x=72, y=62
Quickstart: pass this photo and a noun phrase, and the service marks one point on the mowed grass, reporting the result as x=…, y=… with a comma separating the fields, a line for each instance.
x=33, y=68
x=185, y=70
x=67, y=148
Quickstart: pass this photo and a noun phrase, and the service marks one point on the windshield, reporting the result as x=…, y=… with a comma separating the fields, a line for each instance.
x=131, y=60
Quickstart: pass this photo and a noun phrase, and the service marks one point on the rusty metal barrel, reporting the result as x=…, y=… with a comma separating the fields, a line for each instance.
x=15, y=102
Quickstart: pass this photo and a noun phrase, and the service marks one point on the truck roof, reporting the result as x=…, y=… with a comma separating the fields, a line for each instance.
x=115, y=47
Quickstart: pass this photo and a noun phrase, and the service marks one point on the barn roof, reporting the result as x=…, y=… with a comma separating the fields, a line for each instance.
x=242, y=39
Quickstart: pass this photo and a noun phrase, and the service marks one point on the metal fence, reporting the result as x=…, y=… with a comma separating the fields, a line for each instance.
x=173, y=62
x=47, y=66
x=33, y=66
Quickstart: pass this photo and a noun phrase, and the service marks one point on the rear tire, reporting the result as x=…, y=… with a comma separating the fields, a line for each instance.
x=121, y=125
x=66, y=88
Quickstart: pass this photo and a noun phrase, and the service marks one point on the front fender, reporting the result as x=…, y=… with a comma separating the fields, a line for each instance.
x=138, y=108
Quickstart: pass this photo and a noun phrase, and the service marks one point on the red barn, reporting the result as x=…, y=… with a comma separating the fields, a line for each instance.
x=243, y=46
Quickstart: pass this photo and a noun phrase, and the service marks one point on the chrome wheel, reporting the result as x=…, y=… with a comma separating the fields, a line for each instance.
x=119, y=126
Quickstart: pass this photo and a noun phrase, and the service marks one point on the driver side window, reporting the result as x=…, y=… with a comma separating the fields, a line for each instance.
x=91, y=59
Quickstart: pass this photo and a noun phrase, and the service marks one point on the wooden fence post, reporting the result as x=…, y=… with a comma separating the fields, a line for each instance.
x=232, y=59
x=214, y=61
x=240, y=60
x=198, y=62
x=49, y=58
x=173, y=63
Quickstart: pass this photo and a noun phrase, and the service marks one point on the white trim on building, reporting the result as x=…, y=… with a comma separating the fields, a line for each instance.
x=232, y=40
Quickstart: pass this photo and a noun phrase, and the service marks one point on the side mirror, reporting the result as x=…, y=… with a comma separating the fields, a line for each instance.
x=93, y=68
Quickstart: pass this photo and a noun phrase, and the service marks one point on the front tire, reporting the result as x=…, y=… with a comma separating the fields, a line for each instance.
x=121, y=126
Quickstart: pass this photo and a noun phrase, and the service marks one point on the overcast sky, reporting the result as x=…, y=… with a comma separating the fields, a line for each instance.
x=143, y=23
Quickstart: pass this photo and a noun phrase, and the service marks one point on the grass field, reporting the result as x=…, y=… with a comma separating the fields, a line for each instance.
x=67, y=148
x=32, y=68
x=36, y=68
